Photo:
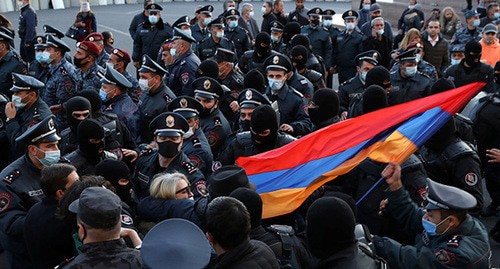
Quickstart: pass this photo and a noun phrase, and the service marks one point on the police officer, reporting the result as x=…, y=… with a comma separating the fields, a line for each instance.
x=254, y=59
x=208, y=46
x=120, y=58
x=200, y=30
x=26, y=108
x=248, y=100
x=114, y=95
x=231, y=81
x=91, y=150
x=349, y=43
x=445, y=235
x=49, y=30
x=169, y=129
x=20, y=188
x=9, y=63
x=139, y=19
x=451, y=161
x=327, y=16
x=39, y=68
x=263, y=136
x=236, y=33
x=150, y=35
x=351, y=90
x=472, y=31
x=87, y=68
x=183, y=71
x=407, y=83
x=276, y=35
x=422, y=65
x=292, y=105
x=471, y=69
x=155, y=98
x=320, y=39
x=98, y=39
x=195, y=144
x=213, y=123
x=27, y=30
x=62, y=79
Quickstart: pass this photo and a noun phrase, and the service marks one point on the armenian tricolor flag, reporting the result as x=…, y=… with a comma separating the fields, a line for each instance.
x=285, y=177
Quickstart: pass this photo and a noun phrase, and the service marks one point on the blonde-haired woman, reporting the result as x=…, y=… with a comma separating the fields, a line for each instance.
x=85, y=21
x=170, y=186
x=450, y=22
x=170, y=197
x=413, y=35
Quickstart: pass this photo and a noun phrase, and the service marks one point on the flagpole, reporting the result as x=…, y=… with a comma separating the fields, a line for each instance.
x=370, y=191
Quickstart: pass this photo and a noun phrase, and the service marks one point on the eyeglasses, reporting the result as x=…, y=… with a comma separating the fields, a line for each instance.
x=184, y=190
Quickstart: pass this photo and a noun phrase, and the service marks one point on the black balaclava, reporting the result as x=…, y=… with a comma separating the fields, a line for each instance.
x=263, y=44
x=327, y=101
x=208, y=68
x=497, y=72
x=442, y=85
x=91, y=129
x=474, y=47
x=94, y=99
x=252, y=202
x=374, y=98
x=263, y=118
x=299, y=56
x=380, y=76
x=330, y=227
x=300, y=40
x=439, y=139
x=76, y=103
x=290, y=30
x=254, y=79
x=113, y=171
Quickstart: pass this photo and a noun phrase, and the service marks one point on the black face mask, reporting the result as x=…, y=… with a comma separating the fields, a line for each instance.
x=300, y=64
x=168, y=149
x=262, y=51
x=73, y=124
x=245, y=125
x=206, y=112
x=314, y=22
x=316, y=116
x=91, y=151
x=123, y=191
x=264, y=143
x=472, y=60
x=78, y=62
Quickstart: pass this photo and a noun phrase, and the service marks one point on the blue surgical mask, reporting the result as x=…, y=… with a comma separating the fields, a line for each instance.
x=497, y=15
x=476, y=23
x=327, y=23
x=51, y=157
x=233, y=24
x=103, y=95
x=455, y=61
x=187, y=32
x=153, y=19
x=275, y=38
x=363, y=76
x=17, y=100
x=418, y=57
x=431, y=228
x=206, y=21
x=46, y=57
x=263, y=9
x=173, y=52
x=410, y=71
x=39, y=57
x=275, y=85
x=366, y=7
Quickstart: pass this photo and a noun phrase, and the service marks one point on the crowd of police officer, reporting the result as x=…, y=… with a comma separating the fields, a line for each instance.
x=207, y=91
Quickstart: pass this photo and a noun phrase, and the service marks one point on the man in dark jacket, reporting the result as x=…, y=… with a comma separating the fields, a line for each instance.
x=228, y=230
x=27, y=30
x=268, y=17
x=436, y=47
x=323, y=108
x=55, y=244
x=139, y=19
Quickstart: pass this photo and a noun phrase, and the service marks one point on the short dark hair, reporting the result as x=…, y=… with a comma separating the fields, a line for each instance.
x=106, y=35
x=269, y=4
x=276, y=2
x=55, y=177
x=228, y=221
x=491, y=6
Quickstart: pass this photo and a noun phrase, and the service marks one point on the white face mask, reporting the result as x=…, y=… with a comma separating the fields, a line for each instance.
x=264, y=9
x=189, y=133
x=251, y=13
x=219, y=34
x=350, y=26
x=144, y=85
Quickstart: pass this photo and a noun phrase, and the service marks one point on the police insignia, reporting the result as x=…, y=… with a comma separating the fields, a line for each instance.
x=201, y=187
x=183, y=103
x=5, y=199
x=349, y=13
x=216, y=165
x=185, y=78
x=317, y=11
x=248, y=95
x=471, y=179
x=232, y=12
x=51, y=124
x=454, y=241
x=275, y=24
x=207, y=84
x=276, y=59
x=39, y=40
x=91, y=38
x=144, y=60
x=445, y=257
x=170, y=121
x=153, y=7
x=127, y=220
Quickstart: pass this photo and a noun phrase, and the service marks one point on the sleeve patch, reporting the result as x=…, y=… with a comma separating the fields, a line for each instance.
x=5, y=199
x=445, y=257
x=185, y=78
x=471, y=179
x=201, y=187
